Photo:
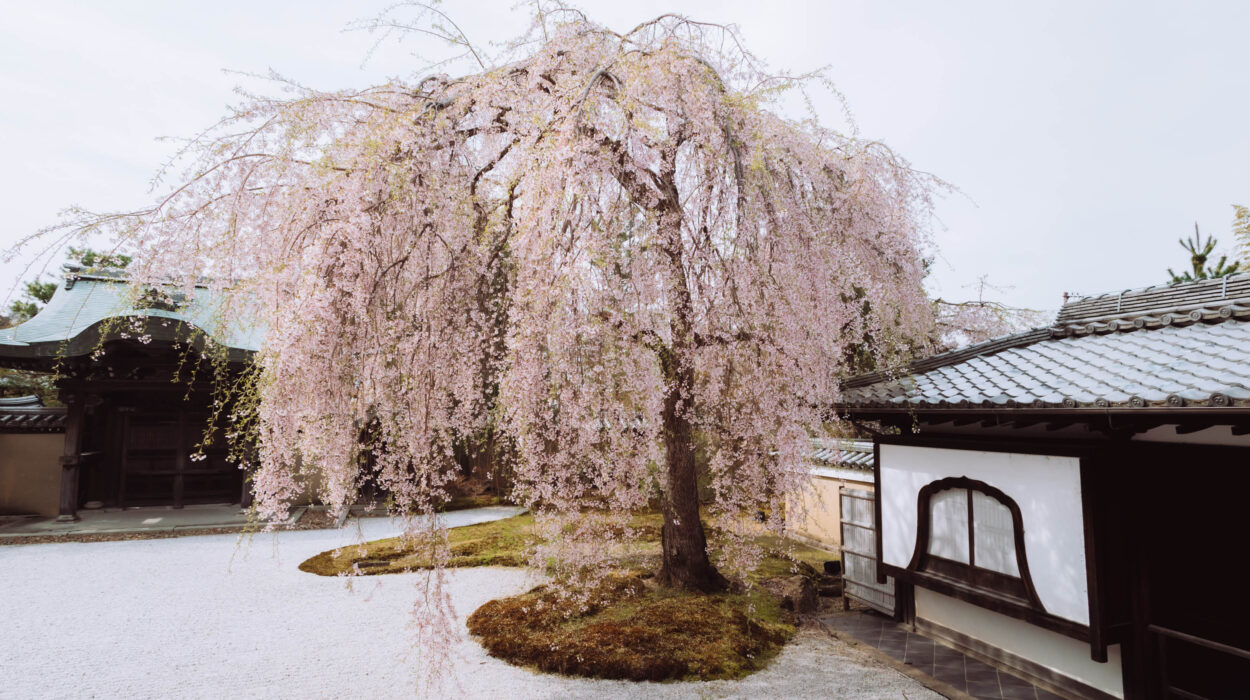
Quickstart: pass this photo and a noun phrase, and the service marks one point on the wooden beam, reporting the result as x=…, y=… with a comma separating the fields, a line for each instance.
x=1025, y=422
x=1059, y=424
x=71, y=456
x=1186, y=428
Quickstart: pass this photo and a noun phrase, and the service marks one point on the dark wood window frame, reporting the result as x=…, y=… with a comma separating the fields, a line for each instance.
x=977, y=580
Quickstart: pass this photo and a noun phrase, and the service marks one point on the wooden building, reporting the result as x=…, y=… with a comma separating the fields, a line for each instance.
x=137, y=391
x=1071, y=502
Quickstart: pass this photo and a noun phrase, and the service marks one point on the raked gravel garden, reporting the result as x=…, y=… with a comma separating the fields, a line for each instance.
x=214, y=616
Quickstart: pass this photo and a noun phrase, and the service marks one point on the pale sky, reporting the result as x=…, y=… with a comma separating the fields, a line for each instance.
x=1085, y=137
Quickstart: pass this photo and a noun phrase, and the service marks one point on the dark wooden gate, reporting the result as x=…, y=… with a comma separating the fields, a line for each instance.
x=164, y=463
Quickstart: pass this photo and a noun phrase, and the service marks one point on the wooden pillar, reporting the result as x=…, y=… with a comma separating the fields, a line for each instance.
x=71, y=456
x=182, y=461
x=246, y=499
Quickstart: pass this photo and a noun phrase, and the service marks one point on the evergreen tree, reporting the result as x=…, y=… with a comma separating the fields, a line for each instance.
x=39, y=292
x=1199, y=252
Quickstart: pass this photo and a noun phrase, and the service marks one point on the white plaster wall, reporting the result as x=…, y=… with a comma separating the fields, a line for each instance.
x=1052, y=650
x=1047, y=489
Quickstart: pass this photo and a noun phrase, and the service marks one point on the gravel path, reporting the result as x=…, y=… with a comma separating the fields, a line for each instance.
x=205, y=617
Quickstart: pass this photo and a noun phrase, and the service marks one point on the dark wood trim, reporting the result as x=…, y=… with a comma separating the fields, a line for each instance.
x=71, y=456
x=1054, y=425
x=1037, y=674
x=1091, y=520
x=998, y=603
x=876, y=510
x=1199, y=641
x=1103, y=423
x=995, y=443
x=123, y=452
x=1023, y=423
x=976, y=577
x=181, y=461
x=972, y=532
x=1141, y=665
x=1168, y=414
x=904, y=602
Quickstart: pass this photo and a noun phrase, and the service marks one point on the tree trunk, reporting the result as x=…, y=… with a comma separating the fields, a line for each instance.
x=684, y=544
x=686, y=563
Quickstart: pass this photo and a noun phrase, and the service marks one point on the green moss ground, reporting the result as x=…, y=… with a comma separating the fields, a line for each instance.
x=504, y=542
x=509, y=542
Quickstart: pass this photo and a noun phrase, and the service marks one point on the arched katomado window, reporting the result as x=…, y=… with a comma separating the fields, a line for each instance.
x=970, y=535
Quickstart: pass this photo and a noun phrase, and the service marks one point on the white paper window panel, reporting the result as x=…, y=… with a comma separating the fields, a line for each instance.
x=948, y=525
x=994, y=535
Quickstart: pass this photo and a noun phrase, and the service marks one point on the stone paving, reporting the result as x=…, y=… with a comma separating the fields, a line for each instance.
x=115, y=520
x=216, y=617
x=943, y=663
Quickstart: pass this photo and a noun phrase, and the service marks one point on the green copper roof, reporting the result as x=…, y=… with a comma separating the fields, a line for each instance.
x=89, y=308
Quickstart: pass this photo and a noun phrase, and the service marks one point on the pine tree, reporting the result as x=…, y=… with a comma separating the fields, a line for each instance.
x=1199, y=252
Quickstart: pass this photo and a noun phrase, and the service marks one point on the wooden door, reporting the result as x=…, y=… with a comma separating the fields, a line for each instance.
x=165, y=463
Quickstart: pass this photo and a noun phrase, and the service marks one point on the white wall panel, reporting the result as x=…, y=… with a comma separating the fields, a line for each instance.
x=1047, y=489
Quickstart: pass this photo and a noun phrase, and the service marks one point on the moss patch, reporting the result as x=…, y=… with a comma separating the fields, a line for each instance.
x=788, y=558
x=631, y=630
x=506, y=542
x=509, y=542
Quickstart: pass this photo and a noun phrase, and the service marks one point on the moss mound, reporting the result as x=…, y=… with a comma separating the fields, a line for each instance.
x=630, y=630
x=506, y=542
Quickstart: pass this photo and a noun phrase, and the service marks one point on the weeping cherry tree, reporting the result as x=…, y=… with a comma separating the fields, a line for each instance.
x=608, y=246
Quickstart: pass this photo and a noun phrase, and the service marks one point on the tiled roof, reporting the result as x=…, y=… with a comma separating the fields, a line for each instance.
x=78, y=311
x=27, y=414
x=848, y=454
x=30, y=401
x=1178, y=346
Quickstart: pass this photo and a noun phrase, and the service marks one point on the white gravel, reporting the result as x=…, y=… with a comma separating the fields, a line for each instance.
x=206, y=617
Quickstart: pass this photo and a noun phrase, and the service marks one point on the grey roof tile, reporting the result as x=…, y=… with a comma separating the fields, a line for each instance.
x=1143, y=361
x=848, y=454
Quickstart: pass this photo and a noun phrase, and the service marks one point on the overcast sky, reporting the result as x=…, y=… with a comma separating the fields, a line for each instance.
x=1085, y=137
